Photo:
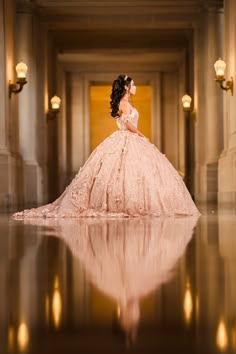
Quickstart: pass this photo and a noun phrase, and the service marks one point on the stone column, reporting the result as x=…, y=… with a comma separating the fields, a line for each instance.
x=169, y=102
x=78, y=123
x=26, y=51
x=156, y=109
x=9, y=159
x=62, y=129
x=214, y=101
x=200, y=107
x=182, y=119
x=227, y=162
x=3, y=86
x=208, y=103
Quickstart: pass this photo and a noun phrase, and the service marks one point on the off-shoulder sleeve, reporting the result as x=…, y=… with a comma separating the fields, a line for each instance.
x=127, y=118
x=122, y=120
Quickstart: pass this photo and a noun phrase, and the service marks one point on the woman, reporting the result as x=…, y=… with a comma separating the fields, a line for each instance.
x=125, y=175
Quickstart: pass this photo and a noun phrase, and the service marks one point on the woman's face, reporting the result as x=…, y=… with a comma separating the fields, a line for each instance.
x=132, y=88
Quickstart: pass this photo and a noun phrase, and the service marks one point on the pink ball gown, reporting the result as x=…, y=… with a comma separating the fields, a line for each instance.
x=125, y=175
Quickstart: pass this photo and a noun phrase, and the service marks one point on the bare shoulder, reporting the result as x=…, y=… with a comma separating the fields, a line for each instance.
x=124, y=107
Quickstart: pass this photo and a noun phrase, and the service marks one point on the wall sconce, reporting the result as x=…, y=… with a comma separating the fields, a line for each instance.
x=186, y=100
x=21, y=70
x=220, y=67
x=55, y=107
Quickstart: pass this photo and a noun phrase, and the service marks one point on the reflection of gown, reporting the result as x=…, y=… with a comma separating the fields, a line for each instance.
x=125, y=258
x=125, y=175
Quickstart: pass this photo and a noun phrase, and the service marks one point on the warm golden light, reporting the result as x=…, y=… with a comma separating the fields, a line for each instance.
x=233, y=337
x=118, y=311
x=55, y=102
x=56, y=282
x=186, y=100
x=21, y=70
x=47, y=309
x=197, y=306
x=220, y=67
x=188, y=304
x=221, y=336
x=56, y=304
x=101, y=123
x=23, y=337
x=10, y=340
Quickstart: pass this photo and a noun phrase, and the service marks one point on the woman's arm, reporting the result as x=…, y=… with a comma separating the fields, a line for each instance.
x=125, y=108
x=132, y=128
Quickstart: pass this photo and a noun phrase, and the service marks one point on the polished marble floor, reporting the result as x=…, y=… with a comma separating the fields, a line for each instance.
x=139, y=285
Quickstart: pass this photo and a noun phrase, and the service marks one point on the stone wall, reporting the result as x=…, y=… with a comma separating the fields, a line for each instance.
x=227, y=161
x=20, y=172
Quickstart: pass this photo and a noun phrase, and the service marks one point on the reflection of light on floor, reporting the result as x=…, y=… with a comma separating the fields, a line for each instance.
x=56, y=304
x=188, y=304
x=118, y=311
x=47, y=309
x=23, y=337
x=233, y=337
x=221, y=336
x=197, y=307
x=10, y=339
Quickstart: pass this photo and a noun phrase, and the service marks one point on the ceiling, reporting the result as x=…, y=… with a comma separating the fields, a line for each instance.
x=126, y=31
x=170, y=10
x=158, y=3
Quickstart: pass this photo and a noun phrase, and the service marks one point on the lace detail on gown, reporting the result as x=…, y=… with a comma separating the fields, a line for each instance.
x=132, y=118
x=125, y=175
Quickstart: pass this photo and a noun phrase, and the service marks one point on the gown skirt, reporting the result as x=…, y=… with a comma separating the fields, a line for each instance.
x=126, y=175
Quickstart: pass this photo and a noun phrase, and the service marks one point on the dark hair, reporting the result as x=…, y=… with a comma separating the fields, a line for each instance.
x=118, y=91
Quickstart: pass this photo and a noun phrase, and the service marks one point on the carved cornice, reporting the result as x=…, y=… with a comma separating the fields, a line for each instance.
x=214, y=5
x=161, y=4
x=99, y=7
x=67, y=41
x=25, y=6
x=129, y=60
x=79, y=14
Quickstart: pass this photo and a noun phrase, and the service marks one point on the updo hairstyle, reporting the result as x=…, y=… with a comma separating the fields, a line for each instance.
x=118, y=91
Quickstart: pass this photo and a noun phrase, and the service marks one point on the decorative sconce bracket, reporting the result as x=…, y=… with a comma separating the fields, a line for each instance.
x=17, y=87
x=229, y=84
x=52, y=114
x=193, y=115
x=189, y=109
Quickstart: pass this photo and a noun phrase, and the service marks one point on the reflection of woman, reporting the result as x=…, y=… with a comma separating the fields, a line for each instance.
x=128, y=320
x=126, y=258
x=125, y=175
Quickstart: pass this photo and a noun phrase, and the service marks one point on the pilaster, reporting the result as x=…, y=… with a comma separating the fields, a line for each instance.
x=10, y=161
x=209, y=104
x=27, y=108
x=227, y=162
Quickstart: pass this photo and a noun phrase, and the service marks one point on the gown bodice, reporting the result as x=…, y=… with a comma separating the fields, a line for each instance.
x=132, y=118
